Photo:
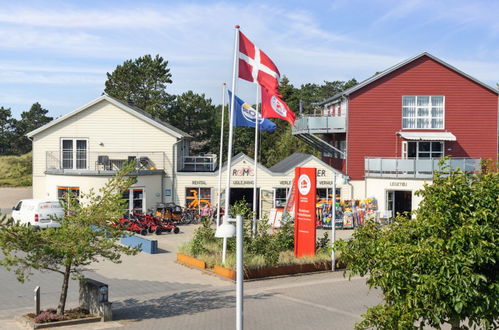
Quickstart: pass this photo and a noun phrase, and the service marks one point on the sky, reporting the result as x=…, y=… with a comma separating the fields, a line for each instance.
x=58, y=52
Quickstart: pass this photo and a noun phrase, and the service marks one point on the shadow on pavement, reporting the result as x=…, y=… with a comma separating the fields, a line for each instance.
x=183, y=303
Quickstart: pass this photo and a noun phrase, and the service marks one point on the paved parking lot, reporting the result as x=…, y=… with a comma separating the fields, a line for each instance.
x=154, y=292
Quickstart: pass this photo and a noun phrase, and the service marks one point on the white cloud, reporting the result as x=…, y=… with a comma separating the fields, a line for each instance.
x=197, y=40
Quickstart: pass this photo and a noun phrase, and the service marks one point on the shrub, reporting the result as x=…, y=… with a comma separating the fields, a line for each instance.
x=48, y=316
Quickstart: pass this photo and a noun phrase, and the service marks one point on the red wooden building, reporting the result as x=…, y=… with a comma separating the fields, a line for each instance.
x=388, y=132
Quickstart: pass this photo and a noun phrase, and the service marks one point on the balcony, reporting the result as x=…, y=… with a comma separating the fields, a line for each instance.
x=319, y=125
x=201, y=163
x=415, y=168
x=104, y=163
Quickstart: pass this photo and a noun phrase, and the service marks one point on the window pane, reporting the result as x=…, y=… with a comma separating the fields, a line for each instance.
x=424, y=146
x=437, y=123
x=67, y=154
x=437, y=112
x=408, y=123
x=437, y=101
x=436, y=146
x=422, y=112
x=423, y=100
x=424, y=155
x=423, y=123
x=408, y=112
x=408, y=101
x=81, y=154
x=411, y=149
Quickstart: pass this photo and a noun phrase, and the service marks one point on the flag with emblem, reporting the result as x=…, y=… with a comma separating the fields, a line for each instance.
x=245, y=115
x=274, y=107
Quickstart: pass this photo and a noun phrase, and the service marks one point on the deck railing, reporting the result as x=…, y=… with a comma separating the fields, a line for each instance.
x=416, y=168
x=103, y=161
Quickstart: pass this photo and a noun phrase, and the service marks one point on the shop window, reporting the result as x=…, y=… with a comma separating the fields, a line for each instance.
x=325, y=194
x=423, y=112
x=62, y=193
x=134, y=200
x=74, y=153
x=196, y=197
x=280, y=197
x=423, y=149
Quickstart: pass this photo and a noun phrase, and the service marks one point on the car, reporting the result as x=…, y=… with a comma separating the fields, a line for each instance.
x=38, y=213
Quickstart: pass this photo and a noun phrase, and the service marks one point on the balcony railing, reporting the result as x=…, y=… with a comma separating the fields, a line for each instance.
x=416, y=168
x=201, y=163
x=102, y=162
x=319, y=125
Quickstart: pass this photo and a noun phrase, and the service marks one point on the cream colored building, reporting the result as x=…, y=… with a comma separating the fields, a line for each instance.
x=84, y=148
x=273, y=183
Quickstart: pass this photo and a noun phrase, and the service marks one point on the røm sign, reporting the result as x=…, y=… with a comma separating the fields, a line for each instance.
x=305, y=190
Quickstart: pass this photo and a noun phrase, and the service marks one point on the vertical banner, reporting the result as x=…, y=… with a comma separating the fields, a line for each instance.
x=305, y=217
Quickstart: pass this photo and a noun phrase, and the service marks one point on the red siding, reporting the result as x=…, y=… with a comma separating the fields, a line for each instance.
x=375, y=114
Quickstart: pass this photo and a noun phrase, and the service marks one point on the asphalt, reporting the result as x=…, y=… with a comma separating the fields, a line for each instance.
x=154, y=292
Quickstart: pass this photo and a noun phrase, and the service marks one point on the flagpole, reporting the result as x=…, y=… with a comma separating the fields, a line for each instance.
x=231, y=124
x=221, y=156
x=255, y=167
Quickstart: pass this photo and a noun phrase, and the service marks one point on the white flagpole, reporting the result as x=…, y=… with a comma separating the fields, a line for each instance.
x=221, y=155
x=231, y=124
x=255, y=167
x=231, y=132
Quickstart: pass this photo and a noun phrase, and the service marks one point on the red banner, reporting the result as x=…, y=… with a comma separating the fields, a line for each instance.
x=305, y=190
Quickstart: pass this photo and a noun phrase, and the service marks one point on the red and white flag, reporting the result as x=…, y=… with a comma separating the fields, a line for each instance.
x=274, y=107
x=255, y=66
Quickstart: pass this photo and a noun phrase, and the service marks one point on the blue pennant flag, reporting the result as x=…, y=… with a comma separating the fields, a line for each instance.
x=245, y=115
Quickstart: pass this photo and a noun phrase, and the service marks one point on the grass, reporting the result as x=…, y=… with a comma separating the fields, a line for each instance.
x=213, y=257
x=16, y=171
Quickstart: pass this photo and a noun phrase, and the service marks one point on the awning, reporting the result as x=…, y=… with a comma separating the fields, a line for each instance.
x=428, y=136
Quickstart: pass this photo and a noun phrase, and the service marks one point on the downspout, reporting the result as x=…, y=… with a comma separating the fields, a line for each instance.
x=174, y=168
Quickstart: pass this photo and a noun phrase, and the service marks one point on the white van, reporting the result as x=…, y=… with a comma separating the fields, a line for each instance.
x=38, y=213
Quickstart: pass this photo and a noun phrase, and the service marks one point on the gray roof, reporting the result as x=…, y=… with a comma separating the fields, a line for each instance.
x=398, y=66
x=139, y=113
x=290, y=162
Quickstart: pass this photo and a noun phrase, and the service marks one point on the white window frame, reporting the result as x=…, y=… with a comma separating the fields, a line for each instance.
x=429, y=117
x=74, y=152
x=405, y=149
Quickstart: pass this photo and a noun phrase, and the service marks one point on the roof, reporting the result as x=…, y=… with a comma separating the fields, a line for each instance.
x=139, y=113
x=290, y=162
x=428, y=136
x=398, y=66
x=240, y=156
x=295, y=160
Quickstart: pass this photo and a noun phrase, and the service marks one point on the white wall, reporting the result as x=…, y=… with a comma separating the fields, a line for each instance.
x=150, y=183
x=378, y=187
x=108, y=129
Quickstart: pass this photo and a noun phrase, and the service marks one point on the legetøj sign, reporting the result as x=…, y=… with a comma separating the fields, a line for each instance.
x=305, y=188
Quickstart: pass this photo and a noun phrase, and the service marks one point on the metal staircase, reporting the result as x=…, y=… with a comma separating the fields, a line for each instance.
x=307, y=126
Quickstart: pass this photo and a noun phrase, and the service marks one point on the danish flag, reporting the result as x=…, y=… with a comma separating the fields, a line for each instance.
x=256, y=66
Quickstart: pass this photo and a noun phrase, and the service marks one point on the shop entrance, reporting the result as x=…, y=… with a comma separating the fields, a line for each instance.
x=237, y=194
x=399, y=201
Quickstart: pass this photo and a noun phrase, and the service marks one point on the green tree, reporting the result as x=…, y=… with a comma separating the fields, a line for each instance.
x=85, y=236
x=439, y=267
x=30, y=120
x=6, y=130
x=195, y=114
x=142, y=82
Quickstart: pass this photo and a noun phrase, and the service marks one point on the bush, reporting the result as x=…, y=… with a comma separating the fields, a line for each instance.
x=48, y=316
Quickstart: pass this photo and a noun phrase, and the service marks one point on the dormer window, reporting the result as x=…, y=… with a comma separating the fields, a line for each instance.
x=423, y=112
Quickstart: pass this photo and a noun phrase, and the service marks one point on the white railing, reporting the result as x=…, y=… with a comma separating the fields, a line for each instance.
x=199, y=163
x=322, y=124
x=416, y=168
